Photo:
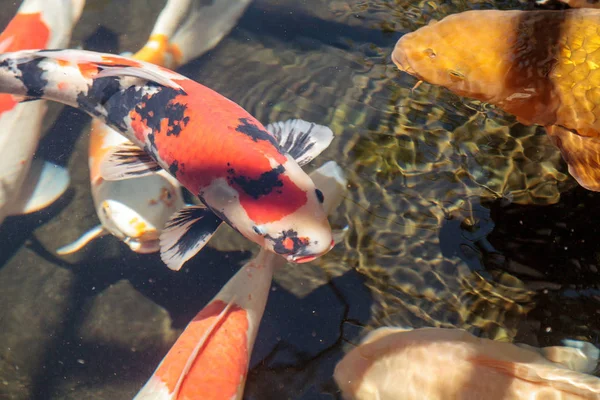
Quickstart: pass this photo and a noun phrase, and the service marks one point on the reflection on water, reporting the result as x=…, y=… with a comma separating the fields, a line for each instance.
x=458, y=216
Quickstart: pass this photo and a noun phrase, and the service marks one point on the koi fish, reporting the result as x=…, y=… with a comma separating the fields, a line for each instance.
x=245, y=174
x=136, y=210
x=210, y=358
x=26, y=188
x=541, y=66
x=437, y=363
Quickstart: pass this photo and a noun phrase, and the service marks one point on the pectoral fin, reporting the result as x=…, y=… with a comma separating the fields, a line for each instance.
x=127, y=161
x=138, y=72
x=88, y=237
x=581, y=153
x=300, y=139
x=44, y=184
x=576, y=355
x=186, y=233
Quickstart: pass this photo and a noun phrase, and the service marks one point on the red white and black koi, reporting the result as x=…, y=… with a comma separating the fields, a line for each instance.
x=244, y=173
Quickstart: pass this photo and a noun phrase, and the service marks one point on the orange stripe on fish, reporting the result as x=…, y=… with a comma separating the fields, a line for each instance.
x=220, y=365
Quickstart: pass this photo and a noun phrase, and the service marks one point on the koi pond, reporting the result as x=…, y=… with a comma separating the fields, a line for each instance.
x=455, y=215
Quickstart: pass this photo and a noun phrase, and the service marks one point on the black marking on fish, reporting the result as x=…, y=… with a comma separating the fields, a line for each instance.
x=279, y=242
x=255, y=188
x=32, y=77
x=100, y=92
x=155, y=107
x=173, y=168
x=255, y=133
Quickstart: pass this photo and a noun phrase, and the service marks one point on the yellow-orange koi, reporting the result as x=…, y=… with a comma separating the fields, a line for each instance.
x=541, y=66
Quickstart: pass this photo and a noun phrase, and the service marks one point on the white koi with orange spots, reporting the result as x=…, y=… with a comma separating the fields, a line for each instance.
x=38, y=24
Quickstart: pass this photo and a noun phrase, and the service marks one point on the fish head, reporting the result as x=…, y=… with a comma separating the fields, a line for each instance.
x=457, y=54
x=136, y=210
x=284, y=215
x=304, y=234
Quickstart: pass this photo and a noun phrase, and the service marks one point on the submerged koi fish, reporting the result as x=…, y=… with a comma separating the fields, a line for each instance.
x=541, y=66
x=24, y=187
x=210, y=359
x=439, y=364
x=244, y=174
x=137, y=209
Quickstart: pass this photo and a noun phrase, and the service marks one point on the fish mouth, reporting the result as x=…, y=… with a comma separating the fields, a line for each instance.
x=401, y=61
x=300, y=259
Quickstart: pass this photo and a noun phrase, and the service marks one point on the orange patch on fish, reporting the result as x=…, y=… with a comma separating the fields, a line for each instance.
x=220, y=366
x=154, y=50
x=7, y=102
x=97, y=149
x=109, y=60
x=88, y=70
x=26, y=31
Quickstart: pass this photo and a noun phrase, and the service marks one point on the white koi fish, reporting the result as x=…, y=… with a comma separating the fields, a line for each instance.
x=440, y=364
x=210, y=359
x=24, y=187
x=137, y=209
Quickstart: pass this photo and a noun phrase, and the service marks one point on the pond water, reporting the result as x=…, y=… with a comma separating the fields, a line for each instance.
x=458, y=216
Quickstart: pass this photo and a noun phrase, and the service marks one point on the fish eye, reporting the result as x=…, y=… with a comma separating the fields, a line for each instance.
x=258, y=230
x=430, y=53
x=455, y=76
x=320, y=196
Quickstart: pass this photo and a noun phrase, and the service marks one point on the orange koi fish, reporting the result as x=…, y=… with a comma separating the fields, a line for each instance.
x=245, y=174
x=440, y=364
x=541, y=66
x=27, y=187
x=210, y=359
x=137, y=209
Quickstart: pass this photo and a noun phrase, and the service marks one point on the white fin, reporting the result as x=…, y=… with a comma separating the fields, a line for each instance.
x=300, y=139
x=44, y=184
x=186, y=233
x=77, y=9
x=578, y=355
x=340, y=234
x=382, y=332
x=137, y=72
x=127, y=161
x=89, y=236
x=216, y=18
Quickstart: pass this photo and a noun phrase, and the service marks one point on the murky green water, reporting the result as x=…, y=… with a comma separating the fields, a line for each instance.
x=458, y=216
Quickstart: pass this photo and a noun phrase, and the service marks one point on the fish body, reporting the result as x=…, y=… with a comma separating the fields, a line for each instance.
x=210, y=358
x=541, y=66
x=211, y=145
x=437, y=363
x=137, y=209
x=37, y=25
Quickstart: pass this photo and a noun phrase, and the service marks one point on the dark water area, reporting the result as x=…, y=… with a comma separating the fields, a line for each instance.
x=454, y=220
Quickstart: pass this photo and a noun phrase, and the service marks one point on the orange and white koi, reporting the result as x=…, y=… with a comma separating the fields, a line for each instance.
x=137, y=209
x=210, y=359
x=438, y=364
x=245, y=174
x=25, y=187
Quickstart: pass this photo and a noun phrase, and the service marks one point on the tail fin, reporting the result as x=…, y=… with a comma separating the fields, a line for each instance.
x=205, y=26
